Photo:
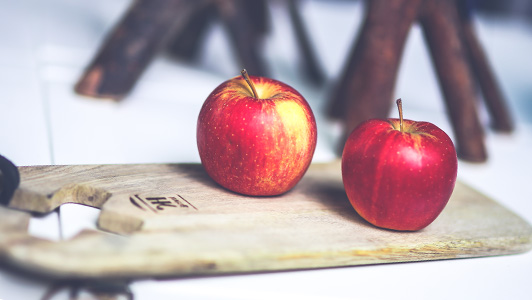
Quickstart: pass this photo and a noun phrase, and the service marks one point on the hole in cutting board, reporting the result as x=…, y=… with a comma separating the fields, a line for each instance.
x=65, y=222
x=45, y=226
x=76, y=218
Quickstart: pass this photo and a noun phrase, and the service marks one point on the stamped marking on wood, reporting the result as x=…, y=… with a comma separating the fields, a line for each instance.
x=160, y=203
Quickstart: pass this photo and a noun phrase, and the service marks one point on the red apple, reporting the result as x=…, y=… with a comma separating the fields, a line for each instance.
x=256, y=136
x=399, y=174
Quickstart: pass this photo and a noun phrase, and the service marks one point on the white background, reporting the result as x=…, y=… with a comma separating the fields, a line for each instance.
x=46, y=44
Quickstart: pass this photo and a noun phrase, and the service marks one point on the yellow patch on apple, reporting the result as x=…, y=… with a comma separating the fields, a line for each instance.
x=293, y=116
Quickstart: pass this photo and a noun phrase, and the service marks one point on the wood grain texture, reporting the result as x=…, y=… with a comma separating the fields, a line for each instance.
x=173, y=221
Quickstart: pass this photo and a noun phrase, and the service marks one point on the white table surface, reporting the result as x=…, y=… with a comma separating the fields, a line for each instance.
x=45, y=45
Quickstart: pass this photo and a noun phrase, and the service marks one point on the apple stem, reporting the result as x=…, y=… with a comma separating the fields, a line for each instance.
x=251, y=85
x=400, y=107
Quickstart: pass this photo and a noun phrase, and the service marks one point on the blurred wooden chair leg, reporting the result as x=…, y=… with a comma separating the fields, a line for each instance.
x=180, y=25
x=131, y=46
x=309, y=64
x=492, y=95
x=186, y=42
x=366, y=85
x=365, y=88
x=258, y=12
x=247, y=42
x=439, y=21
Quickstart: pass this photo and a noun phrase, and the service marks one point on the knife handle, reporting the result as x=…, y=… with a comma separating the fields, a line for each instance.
x=9, y=180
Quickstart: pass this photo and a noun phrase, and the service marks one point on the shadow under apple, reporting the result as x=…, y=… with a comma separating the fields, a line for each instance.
x=331, y=195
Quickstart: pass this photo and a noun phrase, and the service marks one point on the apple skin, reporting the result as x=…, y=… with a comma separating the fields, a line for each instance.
x=256, y=146
x=399, y=180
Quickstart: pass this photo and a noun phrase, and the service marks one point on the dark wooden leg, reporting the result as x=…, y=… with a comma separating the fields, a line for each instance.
x=186, y=43
x=258, y=12
x=366, y=86
x=495, y=103
x=309, y=64
x=131, y=46
x=244, y=36
x=439, y=20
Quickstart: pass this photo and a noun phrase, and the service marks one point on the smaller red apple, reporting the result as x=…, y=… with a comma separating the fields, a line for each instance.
x=399, y=174
x=256, y=136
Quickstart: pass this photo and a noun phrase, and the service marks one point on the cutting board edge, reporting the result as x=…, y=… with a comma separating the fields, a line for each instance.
x=289, y=262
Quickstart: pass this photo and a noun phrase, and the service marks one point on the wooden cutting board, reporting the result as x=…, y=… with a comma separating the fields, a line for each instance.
x=171, y=220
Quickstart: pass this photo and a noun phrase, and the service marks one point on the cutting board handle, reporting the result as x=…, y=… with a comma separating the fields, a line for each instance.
x=9, y=180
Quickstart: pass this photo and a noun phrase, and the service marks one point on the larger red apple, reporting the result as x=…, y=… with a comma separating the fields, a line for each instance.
x=256, y=136
x=399, y=174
